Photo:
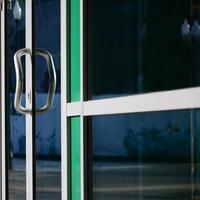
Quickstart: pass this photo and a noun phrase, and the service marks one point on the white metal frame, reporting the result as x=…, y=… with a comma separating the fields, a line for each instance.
x=63, y=54
x=29, y=169
x=157, y=101
x=29, y=125
x=82, y=103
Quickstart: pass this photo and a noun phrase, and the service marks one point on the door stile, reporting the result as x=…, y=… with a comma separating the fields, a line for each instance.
x=29, y=97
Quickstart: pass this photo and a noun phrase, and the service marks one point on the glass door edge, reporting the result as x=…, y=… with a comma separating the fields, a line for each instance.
x=3, y=131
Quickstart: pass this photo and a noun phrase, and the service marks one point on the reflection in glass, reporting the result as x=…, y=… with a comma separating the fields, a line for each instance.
x=138, y=47
x=48, y=133
x=146, y=156
x=15, y=40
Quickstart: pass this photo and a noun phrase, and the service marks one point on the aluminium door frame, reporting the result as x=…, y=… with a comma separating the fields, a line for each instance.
x=4, y=183
x=29, y=119
x=63, y=75
x=29, y=159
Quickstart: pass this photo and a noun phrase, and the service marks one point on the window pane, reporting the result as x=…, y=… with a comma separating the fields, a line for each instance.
x=15, y=122
x=48, y=124
x=139, y=46
x=145, y=156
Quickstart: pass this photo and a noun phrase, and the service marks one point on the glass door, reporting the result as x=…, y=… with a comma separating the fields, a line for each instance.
x=31, y=86
x=133, y=99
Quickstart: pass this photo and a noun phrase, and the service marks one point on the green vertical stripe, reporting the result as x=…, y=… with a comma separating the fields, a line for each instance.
x=75, y=50
x=69, y=159
x=75, y=159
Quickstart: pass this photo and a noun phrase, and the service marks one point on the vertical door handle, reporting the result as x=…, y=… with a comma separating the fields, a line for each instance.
x=52, y=80
x=20, y=80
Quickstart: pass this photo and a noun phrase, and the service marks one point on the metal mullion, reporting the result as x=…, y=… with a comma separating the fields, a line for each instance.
x=64, y=134
x=30, y=140
x=3, y=110
x=82, y=156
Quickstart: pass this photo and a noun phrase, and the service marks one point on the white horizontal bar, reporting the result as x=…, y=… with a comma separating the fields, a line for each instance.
x=74, y=109
x=158, y=101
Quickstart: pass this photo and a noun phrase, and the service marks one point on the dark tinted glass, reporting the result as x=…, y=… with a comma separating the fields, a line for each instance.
x=141, y=46
x=145, y=156
x=48, y=131
x=15, y=122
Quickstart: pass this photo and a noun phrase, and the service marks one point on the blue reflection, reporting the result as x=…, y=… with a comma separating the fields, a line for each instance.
x=146, y=155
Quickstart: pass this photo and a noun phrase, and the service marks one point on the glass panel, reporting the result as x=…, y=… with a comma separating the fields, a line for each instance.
x=48, y=130
x=145, y=156
x=15, y=133
x=141, y=46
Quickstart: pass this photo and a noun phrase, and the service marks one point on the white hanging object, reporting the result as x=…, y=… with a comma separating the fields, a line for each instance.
x=17, y=11
x=195, y=30
x=185, y=28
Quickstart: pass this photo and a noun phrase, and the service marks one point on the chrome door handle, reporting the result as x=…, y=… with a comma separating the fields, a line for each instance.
x=52, y=79
x=20, y=80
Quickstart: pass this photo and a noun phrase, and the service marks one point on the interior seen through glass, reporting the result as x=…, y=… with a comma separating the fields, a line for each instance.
x=142, y=46
x=48, y=130
x=16, y=124
x=145, y=156
x=48, y=141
